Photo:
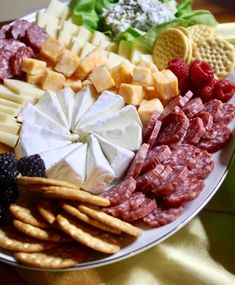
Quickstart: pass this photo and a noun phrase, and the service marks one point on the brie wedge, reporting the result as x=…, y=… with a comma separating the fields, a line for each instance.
x=66, y=99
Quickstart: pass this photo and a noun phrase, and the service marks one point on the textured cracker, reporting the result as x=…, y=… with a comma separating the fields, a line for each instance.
x=110, y=221
x=48, y=211
x=200, y=32
x=62, y=257
x=218, y=53
x=13, y=240
x=88, y=236
x=190, y=44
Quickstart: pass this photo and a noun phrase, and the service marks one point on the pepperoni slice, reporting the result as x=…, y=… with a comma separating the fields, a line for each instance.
x=214, y=107
x=138, y=161
x=121, y=192
x=227, y=113
x=207, y=120
x=222, y=138
x=19, y=29
x=162, y=216
x=155, y=133
x=193, y=107
x=195, y=131
x=35, y=36
x=5, y=68
x=150, y=126
x=16, y=60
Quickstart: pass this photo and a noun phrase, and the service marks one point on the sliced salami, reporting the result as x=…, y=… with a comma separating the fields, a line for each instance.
x=185, y=191
x=16, y=60
x=5, y=68
x=227, y=113
x=138, y=161
x=193, y=107
x=223, y=137
x=13, y=46
x=4, y=30
x=214, y=107
x=121, y=192
x=207, y=120
x=150, y=126
x=19, y=29
x=195, y=131
x=162, y=216
x=174, y=130
x=34, y=37
x=155, y=133
x=156, y=156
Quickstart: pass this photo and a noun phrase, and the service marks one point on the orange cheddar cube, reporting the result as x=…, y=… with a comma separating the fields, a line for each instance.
x=68, y=63
x=142, y=76
x=121, y=74
x=52, y=80
x=52, y=50
x=34, y=79
x=147, y=108
x=102, y=79
x=33, y=66
x=75, y=85
x=132, y=94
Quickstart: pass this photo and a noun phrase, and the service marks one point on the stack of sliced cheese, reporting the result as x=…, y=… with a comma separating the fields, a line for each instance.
x=82, y=140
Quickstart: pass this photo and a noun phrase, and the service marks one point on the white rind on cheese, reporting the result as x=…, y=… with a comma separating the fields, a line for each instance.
x=66, y=99
x=119, y=158
x=98, y=171
x=73, y=167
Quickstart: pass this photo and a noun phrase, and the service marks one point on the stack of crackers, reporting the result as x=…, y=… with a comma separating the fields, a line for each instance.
x=61, y=226
x=195, y=42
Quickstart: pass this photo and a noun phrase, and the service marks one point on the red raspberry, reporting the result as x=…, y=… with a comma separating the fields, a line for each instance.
x=224, y=90
x=184, y=85
x=206, y=93
x=179, y=67
x=201, y=73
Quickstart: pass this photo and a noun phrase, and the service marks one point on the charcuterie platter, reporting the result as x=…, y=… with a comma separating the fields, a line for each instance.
x=113, y=136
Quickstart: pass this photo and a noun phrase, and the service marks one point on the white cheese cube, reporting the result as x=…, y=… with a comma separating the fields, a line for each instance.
x=76, y=45
x=52, y=29
x=125, y=49
x=43, y=19
x=87, y=49
x=69, y=28
x=147, y=108
x=64, y=38
x=112, y=47
x=56, y=8
x=84, y=35
x=65, y=16
x=114, y=60
x=142, y=76
x=98, y=37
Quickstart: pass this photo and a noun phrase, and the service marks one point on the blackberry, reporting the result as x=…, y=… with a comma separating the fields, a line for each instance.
x=9, y=194
x=8, y=168
x=32, y=165
x=4, y=216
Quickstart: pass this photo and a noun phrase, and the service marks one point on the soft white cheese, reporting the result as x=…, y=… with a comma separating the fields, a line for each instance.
x=98, y=171
x=66, y=99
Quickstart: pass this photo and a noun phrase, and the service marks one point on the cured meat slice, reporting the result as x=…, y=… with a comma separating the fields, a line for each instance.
x=175, y=129
x=34, y=37
x=193, y=107
x=214, y=107
x=150, y=126
x=186, y=190
x=5, y=68
x=131, y=204
x=19, y=29
x=207, y=120
x=13, y=46
x=155, y=133
x=121, y=192
x=195, y=131
x=16, y=60
x=156, y=156
x=227, y=113
x=138, y=161
x=222, y=138
x=198, y=161
x=4, y=30
x=162, y=216
x=149, y=180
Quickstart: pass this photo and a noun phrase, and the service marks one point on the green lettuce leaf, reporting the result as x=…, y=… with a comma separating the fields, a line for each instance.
x=129, y=34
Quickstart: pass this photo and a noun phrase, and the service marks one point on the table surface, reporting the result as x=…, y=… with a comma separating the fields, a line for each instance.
x=224, y=11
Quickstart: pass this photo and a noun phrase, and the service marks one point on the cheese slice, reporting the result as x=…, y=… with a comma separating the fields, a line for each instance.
x=11, y=128
x=119, y=158
x=9, y=103
x=7, y=94
x=66, y=99
x=82, y=102
x=35, y=139
x=9, y=110
x=8, y=139
x=32, y=114
x=98, y=171
x=5, y=118
x=49, y=105
x=52, y=157
x=128, y=137
x=107, y=103
x=71, y=168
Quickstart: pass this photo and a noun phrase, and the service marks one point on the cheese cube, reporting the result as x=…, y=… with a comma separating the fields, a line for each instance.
x=121, y=74
x=102, y=79
x=83, y=34
x=75, y=85
x=86, y=82
x=112, y=47
x=98, y=37
x=146, y=58
x=8, y=139
x=51, y=49
x=150, y=93
x=76, y=45
x=68, y=63
x=65, y=15
x=34, y=79
x=149, y=65
x=114, y=60
x=33, y=66
x=52, y=29
x=87, y=49
x=64, y=38
x=142, y=76
x=147, y=108
x=52, y=80
x=95, y=58
x=132, y=94
x=166, y=84
x=56, y=8
x=43, y=19
x=70, y=28
x=125, y=49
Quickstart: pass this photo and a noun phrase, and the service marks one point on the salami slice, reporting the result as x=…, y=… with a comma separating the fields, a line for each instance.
x=223, y=137
x=155, y=133
x=174, y=130
x=19, y=29
x=5, y=68
x=150, y=126
x=195, y=131
x=214, y=107
x=4, y=30
x=185, y=191
x=207, y=120
x=138, y=161
x=162, y=216
x=16, y=60
x=156, y=156
x=227, y=113
x=13, y=46
x=121, y=192
x=193, y=107
x=34, y=37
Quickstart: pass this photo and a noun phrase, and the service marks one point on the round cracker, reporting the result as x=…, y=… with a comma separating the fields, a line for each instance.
x=13, y=240
x=48, y=211
x=200, y=32
x=184, y=30
x=188, y=58
x=88, y=236
x=218, y=53
x=110, y=221
x=62, y=257
x=169, y=45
